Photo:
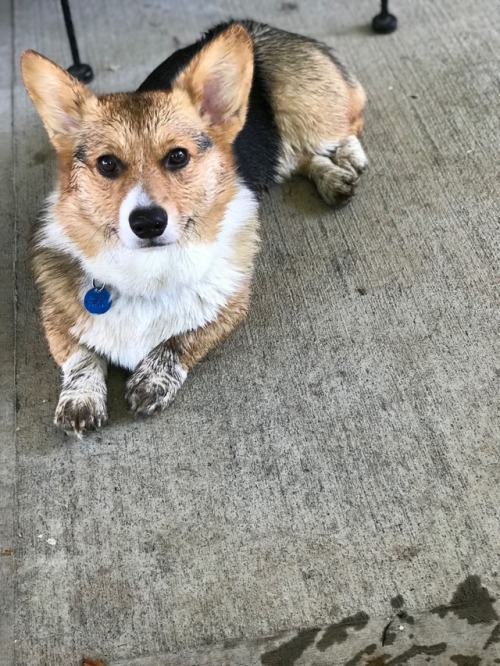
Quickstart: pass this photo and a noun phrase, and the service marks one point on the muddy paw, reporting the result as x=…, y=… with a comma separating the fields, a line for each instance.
x=336, y=169
x=80, y=414
x=350, y=155
x=155, y=383
x=334, y=183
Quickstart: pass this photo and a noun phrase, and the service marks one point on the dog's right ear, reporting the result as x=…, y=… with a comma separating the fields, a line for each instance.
x=219, y=78
x=58, y=97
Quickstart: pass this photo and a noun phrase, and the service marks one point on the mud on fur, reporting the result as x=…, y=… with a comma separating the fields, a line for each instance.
x=157, y=201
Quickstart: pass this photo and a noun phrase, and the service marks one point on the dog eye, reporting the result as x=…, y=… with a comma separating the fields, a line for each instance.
x=176, y=159
x=109, y=166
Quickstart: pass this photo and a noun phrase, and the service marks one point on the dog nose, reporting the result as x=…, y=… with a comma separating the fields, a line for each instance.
x=148, y=222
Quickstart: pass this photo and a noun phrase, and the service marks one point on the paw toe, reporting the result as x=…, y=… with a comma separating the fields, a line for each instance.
x=147, y=396
x=78, y=417
x=350, y=155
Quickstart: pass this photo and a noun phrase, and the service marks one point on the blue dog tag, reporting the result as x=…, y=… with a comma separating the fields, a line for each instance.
x=97, y=300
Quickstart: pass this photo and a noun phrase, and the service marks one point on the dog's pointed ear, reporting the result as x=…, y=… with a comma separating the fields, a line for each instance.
x=219, y=78
x=58, y=97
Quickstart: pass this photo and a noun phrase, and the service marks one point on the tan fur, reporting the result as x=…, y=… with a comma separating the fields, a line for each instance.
x=60, y=99
x=245, y=248
x=61, y=307
x=305, y=113
x=357, y=101
x=192, y=347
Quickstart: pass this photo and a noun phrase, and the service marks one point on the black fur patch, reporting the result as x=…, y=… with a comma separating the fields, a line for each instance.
x=204, y=142
x=257, y=146
x=80, y=153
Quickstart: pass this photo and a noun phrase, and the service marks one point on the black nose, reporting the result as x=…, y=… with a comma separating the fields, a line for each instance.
x=148, y=222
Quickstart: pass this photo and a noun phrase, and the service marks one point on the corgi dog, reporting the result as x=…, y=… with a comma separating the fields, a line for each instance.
x=145, y=252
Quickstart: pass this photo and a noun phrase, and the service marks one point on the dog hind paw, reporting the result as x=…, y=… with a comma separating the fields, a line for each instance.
x=350, y=155
x=336, y=170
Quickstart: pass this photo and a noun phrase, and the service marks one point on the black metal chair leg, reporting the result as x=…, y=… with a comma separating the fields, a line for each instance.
x=78, y=69
x=384, y=23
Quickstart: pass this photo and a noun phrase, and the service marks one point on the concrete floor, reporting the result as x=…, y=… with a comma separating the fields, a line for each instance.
x=351, y=516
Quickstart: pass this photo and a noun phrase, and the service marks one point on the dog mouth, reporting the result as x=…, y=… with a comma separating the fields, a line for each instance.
x=153, y=244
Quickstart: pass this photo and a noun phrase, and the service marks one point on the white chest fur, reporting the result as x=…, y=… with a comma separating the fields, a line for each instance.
x=134, y=325
x=161, y=292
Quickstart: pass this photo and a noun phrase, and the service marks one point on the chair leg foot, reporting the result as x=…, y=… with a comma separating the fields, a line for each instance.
x=82, y=72
x=384, y=23
x=78, y=69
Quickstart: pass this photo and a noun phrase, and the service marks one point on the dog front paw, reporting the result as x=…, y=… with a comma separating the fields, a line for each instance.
x=155, y=382
x=82, y=413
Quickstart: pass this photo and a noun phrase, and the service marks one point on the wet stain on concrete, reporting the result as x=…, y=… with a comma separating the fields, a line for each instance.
x=288, y=653
x=379, y=661
x=369, y=649
x=397, y=602
x=465, y=660
x=494, y=637
x=432, y=650
x=469, y=594
x=403, y=615
x=389, y=638
x=337, y=633
x=407, y=552
x=288, y=7
x=40, y=157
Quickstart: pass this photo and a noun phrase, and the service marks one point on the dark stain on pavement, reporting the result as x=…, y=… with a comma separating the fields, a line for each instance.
x=469, y=594
x=40, y=157
x=494, y=637
x=432, y=650
x=465, y=660
x=288, y=653
x=337, y=633
x=288, y=7
x=397, y=602
x=369, y=649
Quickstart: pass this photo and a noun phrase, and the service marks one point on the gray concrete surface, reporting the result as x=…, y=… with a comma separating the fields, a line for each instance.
x=336, y=463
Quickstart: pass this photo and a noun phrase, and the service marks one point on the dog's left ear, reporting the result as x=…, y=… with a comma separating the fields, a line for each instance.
x=58, y=97
x=219, y=78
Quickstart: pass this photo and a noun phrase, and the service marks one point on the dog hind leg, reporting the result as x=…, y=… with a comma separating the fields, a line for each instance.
x=319, y=119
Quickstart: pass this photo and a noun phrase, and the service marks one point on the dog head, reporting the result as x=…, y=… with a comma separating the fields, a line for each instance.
x=150, y=169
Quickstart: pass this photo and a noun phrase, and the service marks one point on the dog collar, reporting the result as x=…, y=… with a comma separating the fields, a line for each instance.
x=98, y=299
